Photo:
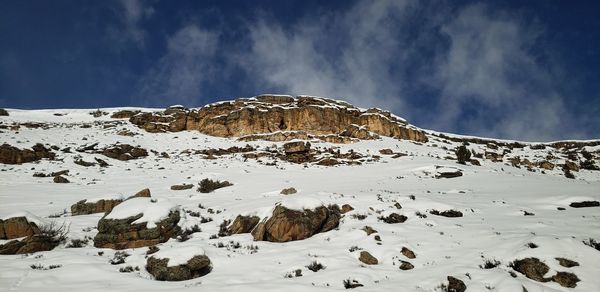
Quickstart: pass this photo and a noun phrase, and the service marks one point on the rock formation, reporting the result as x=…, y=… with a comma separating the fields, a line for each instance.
x=288, y=225
x=195, y=267
x=13, y=155
x=281, y=118
x=17, y=227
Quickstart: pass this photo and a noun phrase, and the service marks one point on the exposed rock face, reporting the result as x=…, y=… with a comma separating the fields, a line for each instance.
x=267, y=114
x=197, y=266
x=288, y=225
x=124, y=152
x=13, y=155
x=101, y=206
x=124, y=114
x=16, y=227
x=123, y=233
x=296, y=147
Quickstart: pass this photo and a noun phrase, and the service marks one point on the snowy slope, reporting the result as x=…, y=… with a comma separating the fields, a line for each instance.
x=493, y=198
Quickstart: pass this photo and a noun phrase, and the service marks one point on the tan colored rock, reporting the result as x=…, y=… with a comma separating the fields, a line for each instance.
x=195, y=267
x=546, y=165
x=271, y=113
x=296, y=147
x=408, y=253
x=124, y=114
x=346, y=208
x=288, y=191
x=288, y=225
x=17, y=227
x=145, y=193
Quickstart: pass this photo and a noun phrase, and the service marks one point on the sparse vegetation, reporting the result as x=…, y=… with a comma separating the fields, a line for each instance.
x=119, y=258
x=208, y=185
x=315, y=266
x=592, y=243
x=351, y=284
x=44, y=268
x=490, y=264
x=462, y=154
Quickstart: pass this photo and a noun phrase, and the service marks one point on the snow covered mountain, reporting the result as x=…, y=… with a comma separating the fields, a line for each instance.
x=298, y=193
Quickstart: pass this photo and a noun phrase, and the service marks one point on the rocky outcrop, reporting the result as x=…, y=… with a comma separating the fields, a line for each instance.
x=124, y=233
x=288, y=225
x=124, y=152
x=13, y=155
x=17, y=227
x=195, y=267
x=124, y=114
x=271, y=114
x=30, y=244
x=101, y=206
x=3, y=112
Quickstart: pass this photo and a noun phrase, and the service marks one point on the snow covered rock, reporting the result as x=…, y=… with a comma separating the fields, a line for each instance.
x=16, y=227
x=296, y=147
x=136, y=223
x=3, y=112
x=286, y=224
x=277, y=113
x=178, y=264
x=84, y=207
x=13, y=155
x=124, y=152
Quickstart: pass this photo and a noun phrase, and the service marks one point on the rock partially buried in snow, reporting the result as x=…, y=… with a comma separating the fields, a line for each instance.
x=85, y=207
x=124, y=152
x=288, y=224
x=18, y=226
x=367, y=258
x=532, y=268
x=456, y=285
x=584, y=204
x=136, y=223
x=13, y=155
x=288, y=191
x=178, y=264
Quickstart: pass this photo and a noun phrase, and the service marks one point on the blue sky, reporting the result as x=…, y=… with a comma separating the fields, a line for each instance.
x=525, y=70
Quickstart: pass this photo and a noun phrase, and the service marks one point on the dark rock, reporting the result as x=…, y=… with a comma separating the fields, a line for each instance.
x=288, y=191
x=14, y=155
x=584, y=204
x=367, y=258
x=386, y=151
x=447, y=213
x=408, y=253
x=3, y=112
x=567, y=263
x=369, y=230
x=404, y=265
x=124, y=152
x=346, y=208
x=296, y=147
x=60, y=179
x=566, y=279
x=181, y=187
x=449, y=174
x=393, y=218
x=197, y=266
x=101, y=206
x=532, y=268
x=456, y=285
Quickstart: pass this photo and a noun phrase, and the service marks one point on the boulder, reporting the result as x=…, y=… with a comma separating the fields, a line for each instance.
x=145, y=193
x=59, y=179
x=17, y=227
x=566, y=279
x=197, y=266
x=447, y=213
x=408, y=253
x=367, y=258
x=404, y=265
x=346, y=208
x=584, y=204
x=124, y=152
x=13, y=155
x=296, y=147
x=532, y=268
x=288, y=191
x=134, y=232
x=393, y=218
x=31, y=244
x=181, y=187
x=101, y=206
x=288, y=225
x=456, y=285
x=386, y=151
x=449, y=174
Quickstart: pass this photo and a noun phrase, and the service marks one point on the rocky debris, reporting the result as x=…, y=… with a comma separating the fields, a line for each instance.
x=83, y=162
x=448, y=174
x=124, y=152
x=124, y=114
x=447, y=213
x=589, y=165
x=228, y=151
x=408, y=253
x=101, y=162
x=567, y=263
x=181, y=187
x=44, y=238
x=288, y=191
x=260, y=115
x=59, y=179
x=52, y=174
x=98, y=113
x=546, y=165
x=288, y=225
x=123, y=233
x=367, y=258
x=570, y=166
x=585, y=204
x=296, y=147
x=386, y=151
x=3, y=112
x=13, y=155
x=566, y=279
x=346, y=208
x=404, y=265
x=17, y=227
x=84, y=207
x=532, y=268
x=195, y=267
x=328, y=162
x=208, y=185
x=475, y=162
x=456, y=285
x=393, y=218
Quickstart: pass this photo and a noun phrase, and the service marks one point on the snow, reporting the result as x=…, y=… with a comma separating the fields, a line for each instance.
x=154, y=210
x=491, y=197
x=180, y=255
x=28, y=215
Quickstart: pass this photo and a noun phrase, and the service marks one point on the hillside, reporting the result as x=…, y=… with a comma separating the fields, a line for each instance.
x=300, y=193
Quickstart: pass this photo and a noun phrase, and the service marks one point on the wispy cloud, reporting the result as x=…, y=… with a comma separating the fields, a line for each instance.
x=131, y=13
x=179, y=76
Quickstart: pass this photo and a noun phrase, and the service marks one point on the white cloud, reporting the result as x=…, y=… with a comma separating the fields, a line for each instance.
x=131, y=13
x=179, y=76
